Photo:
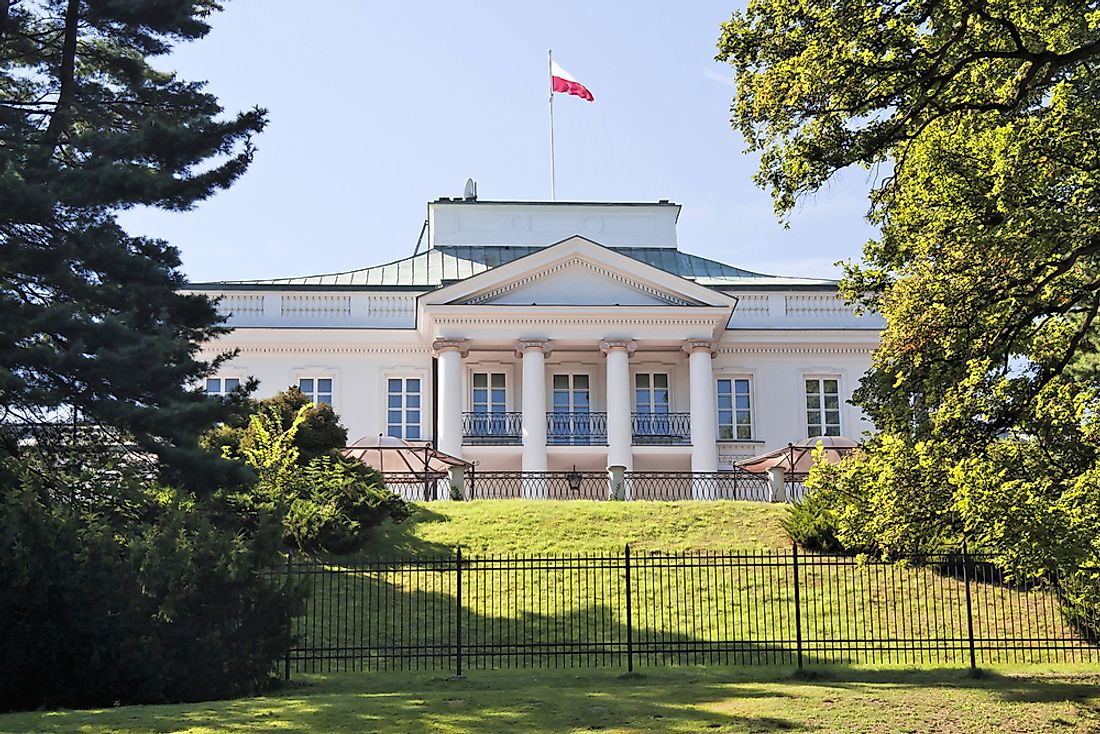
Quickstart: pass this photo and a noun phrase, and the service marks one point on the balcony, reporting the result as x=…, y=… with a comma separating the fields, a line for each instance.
x=492, y=429
x=661, y=429
x=562, y=429
x=576, y=429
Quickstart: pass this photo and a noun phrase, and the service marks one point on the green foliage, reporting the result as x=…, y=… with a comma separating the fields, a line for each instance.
x=336, y=503
x=328, y=503
x=812, y=524
x=987, y=270
x=94, y=320
x=132, y=594
x=320, y=432
x=822, y=86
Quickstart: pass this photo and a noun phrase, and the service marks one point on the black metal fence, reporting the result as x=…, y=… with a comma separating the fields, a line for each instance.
x=650, y=609
x=559, y=485
x=596, y=485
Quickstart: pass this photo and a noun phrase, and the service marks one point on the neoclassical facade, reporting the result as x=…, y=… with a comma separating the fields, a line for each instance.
x=544, y=336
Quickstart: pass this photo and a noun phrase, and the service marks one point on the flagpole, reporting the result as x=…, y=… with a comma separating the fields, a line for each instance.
x=550, y=78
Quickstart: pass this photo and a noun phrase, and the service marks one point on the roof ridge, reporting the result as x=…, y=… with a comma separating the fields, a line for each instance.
x=458, y=262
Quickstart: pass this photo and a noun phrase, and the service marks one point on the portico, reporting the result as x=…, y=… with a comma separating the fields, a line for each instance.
x=658, y=403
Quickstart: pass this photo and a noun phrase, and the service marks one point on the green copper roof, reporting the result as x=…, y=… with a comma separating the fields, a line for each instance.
x=432, y=268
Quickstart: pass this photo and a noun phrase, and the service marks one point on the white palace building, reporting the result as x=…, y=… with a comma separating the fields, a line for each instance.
x=553, y=337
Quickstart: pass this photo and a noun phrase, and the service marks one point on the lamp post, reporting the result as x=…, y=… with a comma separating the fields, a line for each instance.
x=574, y=480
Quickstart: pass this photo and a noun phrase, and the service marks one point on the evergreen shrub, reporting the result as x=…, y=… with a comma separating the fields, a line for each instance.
x=134, y=595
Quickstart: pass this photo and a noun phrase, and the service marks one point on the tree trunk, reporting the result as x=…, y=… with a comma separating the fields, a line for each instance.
x=67, y=77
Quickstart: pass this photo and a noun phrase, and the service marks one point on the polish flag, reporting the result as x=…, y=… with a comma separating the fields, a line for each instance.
x=563, y=81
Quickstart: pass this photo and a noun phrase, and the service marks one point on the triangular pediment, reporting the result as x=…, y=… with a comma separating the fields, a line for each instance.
x=576, y=282
x=576, y=272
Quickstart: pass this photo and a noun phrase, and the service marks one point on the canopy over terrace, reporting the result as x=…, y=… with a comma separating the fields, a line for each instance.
x=391, y=455
x=797, y=459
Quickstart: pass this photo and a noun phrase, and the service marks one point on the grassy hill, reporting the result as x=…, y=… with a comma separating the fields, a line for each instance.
x=523, y=527
x=545, y=574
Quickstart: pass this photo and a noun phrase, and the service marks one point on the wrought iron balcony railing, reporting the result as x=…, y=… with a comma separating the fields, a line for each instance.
x=576, y=429
x=661, y=429
x=562, y=429
x=492, y=429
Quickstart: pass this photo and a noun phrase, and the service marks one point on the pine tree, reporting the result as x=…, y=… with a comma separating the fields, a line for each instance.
x=91, y=318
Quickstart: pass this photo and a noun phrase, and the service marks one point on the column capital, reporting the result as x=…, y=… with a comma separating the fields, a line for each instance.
x=462, y=346
x=690, y=346
x=606, y=345
x=543, y=345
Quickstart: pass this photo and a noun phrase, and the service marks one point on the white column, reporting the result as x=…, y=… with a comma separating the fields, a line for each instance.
x=620, y=434
x=704, y=424
x=533, y=353
x=450, y=353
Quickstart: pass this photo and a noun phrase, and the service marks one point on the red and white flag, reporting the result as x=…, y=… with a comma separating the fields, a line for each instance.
x=563, y=81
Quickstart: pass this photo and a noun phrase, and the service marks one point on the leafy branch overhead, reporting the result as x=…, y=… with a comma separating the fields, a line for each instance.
x=822, y=86
x=986, y=116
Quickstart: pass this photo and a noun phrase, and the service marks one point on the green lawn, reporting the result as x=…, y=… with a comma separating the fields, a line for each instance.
x=676, y=700
x=573, y=600
x=526, y=527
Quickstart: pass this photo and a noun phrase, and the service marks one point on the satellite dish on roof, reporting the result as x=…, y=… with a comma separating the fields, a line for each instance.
x=470, y=192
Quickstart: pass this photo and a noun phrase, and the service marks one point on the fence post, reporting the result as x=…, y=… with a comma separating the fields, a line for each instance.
x=458, y=612
x=473, y=480
x=969, y=608
x=286, y=660
x=629, y=618
x=797, y=606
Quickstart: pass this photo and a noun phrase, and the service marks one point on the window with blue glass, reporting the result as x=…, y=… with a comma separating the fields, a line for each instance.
x=651, y=403
x=221, y=385
x=317, y=389
x=489, y=401
x=822, y=406
x=570, y=420
x=735, y=408
x=403, y=407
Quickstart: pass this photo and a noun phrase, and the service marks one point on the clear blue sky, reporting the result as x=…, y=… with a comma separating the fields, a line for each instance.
x=377, y=108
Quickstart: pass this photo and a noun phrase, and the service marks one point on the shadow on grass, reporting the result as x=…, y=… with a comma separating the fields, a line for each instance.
x=401, y=540
x=529, y=701
x=534, y=702
x=525, y=614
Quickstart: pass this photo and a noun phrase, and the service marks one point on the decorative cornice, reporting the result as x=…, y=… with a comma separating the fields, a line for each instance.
x=796, y=350
x=543, y=345
x=263, y=349
x=560, y=319
x=606, y=345
x=462, y=346
x=605, y=272
x=691, y=346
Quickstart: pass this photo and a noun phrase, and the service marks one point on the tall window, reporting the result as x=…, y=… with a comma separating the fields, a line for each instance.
x=570, y=422
x=489, y=395
x=403, y=407
x=735, y=408
x=651, y=393
x=221, y=385
x=822, y=406
x=317, y=389
x=571, y=394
